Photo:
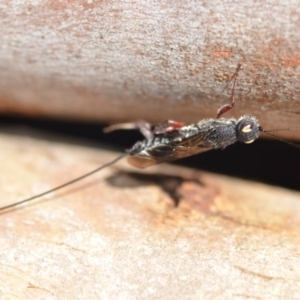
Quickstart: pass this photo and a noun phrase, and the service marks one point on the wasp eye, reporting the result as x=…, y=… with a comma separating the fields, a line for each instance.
x=247, y=127
x=249, y=142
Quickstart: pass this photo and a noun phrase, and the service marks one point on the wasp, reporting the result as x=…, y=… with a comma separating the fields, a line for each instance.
x=172, y=140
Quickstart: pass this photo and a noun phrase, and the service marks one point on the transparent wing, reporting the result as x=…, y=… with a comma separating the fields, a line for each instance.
x=170, y=152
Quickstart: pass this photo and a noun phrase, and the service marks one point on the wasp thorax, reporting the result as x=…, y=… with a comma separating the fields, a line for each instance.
x=247, y=129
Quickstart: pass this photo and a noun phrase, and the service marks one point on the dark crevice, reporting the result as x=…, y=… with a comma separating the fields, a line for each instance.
x=267, y=161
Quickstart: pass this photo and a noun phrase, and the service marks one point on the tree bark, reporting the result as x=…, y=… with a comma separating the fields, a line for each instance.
x=125, y=60
x=119, y=234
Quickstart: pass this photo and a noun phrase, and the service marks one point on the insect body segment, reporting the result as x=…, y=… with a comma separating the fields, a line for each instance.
x=192, y=139
x=173, y=140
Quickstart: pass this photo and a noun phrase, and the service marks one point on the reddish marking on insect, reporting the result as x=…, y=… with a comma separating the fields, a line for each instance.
x=173, y=140
x=228, y=107
x=168, y=126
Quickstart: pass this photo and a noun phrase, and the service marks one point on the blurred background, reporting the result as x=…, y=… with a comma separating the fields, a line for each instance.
x=70, y=67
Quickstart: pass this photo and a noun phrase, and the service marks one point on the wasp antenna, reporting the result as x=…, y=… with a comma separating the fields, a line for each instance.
x=279, y=138
x=281, y=129
x=227, y=107
x=65, y=184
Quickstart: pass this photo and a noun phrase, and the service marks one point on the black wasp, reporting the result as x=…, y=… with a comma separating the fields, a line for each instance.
x=173, y=140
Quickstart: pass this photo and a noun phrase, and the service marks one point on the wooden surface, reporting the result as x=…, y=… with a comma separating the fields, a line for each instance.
x=168, y=232
x=119, y=235
x=127, y=60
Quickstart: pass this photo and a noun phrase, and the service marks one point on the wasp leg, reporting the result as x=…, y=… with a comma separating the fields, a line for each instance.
x=143, y=126
x=168, y=126
x=227, y=107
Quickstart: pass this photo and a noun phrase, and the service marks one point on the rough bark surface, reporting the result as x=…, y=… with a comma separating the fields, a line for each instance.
x=119, y=234
x=127, y=60
x=170, y=233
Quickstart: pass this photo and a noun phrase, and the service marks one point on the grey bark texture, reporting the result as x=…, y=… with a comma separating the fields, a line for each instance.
x=155, y=60
x=119, y=235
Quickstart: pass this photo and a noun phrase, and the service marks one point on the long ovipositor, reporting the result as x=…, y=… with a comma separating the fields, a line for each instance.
x=172, y=140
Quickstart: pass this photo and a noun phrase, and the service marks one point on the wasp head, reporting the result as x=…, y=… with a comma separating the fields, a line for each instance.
x=247, y=129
